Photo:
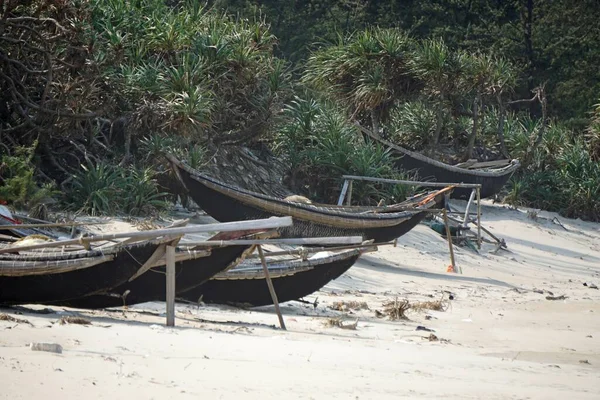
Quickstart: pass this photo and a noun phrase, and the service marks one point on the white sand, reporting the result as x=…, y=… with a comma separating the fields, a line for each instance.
x=501, y=339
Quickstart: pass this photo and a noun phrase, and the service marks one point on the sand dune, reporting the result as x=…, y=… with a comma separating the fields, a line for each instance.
x=500, y=338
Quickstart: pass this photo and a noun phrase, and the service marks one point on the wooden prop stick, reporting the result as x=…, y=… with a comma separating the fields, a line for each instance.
x=343, y=193
x=449, y=237
x=478, y=218
x=292, y=241
x=271, y=288
x=170, y=285
x=268, y=223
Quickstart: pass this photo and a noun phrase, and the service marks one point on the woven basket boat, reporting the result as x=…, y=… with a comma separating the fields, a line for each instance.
x=491, y=179
x=46, y=277
x=293, y=279
x=229, y=203
x=192, y=269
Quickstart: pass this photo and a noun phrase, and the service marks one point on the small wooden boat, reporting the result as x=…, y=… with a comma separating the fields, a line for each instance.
x=229, y=203
x=491, y=179
x=45, y=277
x=192, y=269
x=292, y=279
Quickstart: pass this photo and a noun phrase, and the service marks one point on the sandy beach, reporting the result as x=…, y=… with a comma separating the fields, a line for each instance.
x=502, y=335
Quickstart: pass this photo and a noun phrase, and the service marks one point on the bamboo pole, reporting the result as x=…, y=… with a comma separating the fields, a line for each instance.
x=290, y=241
x=268, y=223
x=479, y=218
x=343, y=193
x=466, y=217
x=48, y=225
x=449, y=237
x=412, y=183
x=170, y=255
x=310, y=250
x=271, y=288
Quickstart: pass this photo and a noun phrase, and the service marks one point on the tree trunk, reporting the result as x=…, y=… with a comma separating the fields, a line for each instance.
x=473, y=136
x=501, y=118
x=536, y=139
x=375, y=121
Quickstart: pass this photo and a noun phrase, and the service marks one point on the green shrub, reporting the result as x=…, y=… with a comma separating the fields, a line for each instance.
x=17, y=180
x=101, y=188
x=321, y=145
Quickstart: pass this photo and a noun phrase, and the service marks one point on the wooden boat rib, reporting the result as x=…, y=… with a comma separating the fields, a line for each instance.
x=189, y=273
x=228, y=203
x=70, y=278
x=292, y=279
x=491, y=180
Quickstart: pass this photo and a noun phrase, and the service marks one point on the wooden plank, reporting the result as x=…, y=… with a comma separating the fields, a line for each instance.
x=158, y=254
x=267, y=223
x=271, y=288
x=170, y=297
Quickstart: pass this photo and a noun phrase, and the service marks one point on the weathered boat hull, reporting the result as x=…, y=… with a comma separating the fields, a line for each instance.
x=151, y=286
x=255, y=292
x=54, y=287
x=428, y=169
x=226, y=203
x=490, y=184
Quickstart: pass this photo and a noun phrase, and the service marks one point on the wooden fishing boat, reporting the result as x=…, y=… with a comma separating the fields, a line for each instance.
x=45, y=277
x=193, y=267
x=491, y=179
x=292, y=279
x=229, y=203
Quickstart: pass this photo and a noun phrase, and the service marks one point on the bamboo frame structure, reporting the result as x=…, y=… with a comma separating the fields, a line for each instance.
x=476, y=191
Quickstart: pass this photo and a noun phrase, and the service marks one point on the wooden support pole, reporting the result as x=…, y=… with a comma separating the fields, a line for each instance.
x=449, y=237
x=349, y=198
x=343, y=193
x=271, y=288
x=170, y=254
x=479, y=218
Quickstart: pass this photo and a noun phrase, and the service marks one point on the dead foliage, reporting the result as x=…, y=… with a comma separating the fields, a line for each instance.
x=146, y=225
x=349, y=306
x=341, y=323
x=74, y=320
x=437, y=305
x=10, y=318
x=395, y=309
